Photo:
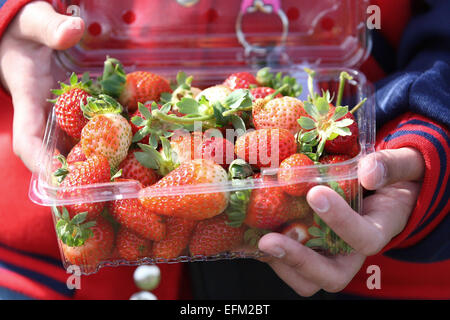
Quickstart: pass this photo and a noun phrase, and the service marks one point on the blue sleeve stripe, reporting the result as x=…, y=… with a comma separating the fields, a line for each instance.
x=443, y=168
x=55, y=285
x=2, y=2
x=46, y=259
x=429, y=126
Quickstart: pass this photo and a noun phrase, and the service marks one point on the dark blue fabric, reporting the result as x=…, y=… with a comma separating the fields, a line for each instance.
x=422, y=81
x=2, y=2
x=7, y=294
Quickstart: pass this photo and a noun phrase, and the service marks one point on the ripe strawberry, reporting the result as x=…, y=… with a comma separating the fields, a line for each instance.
x=107, y=133
x=133, y=169
x=217, y=93
x=214, y=236
x=218, y=149
x=347, y=188
x=292, y=170
x=265, y=147
x=262, y=92
x=298, y=231
x=131, y=214
x=95, y=169
x=345, y=144
x=195, y=206
x=69, y=115
x=94, y=250
x=240, y=80
x=131, y=246
x=134, y=87
x=179, y=232
x=278, y=113
x=76, y=154
x=268, y=208
x=298, y=208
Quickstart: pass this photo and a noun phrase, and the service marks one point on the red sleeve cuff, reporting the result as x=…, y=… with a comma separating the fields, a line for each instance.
x=432, y=140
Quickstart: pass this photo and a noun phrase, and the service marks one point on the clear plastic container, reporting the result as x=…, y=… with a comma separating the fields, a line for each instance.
x=315, y=37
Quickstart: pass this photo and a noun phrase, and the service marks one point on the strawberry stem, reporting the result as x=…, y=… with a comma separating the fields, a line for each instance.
x=279, y=90
x=359, y=105
x=180, y=120
x=343, y=77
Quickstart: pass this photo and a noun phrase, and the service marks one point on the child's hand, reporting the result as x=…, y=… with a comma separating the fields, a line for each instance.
x=395, y=175
x=28, y=72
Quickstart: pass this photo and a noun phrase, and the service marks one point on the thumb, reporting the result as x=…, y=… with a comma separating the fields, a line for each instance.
x=39, y=22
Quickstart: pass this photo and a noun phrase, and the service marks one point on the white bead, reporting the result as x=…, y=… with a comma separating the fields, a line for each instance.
x=147, y=277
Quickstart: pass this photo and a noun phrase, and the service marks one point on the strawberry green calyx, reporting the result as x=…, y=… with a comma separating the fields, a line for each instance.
x=61, y=173
x=72, y=232
x=343, y=77
x=236, y=211
x=323, y=238
x=182, y=89
x=113, y=79
x=153, y=126
x=290, y=86
x=163, y=162
x=103, y=104
x=85, y=84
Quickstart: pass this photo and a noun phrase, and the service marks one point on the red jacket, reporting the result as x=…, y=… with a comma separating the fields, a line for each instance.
x=29, y=257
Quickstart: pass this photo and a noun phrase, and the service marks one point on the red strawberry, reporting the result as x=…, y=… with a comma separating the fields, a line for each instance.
x=107, y=133
x=268, y=208
x=345, y=144
x=94, y=250
x=133, y=169
x=214, y=236
x=240, y=80
x=262, y=92
x=179, y=231
x=76, y=154
x=131, y=214
x=220, y=150
x=266, y=147
x=95, y=169
x=348, y=188
x=292, y=169
x=131, y=246
x=298, y=208
x=298, y=231
x=134, y=87
x=278, y=113
x=69, y=115
x=195, y=206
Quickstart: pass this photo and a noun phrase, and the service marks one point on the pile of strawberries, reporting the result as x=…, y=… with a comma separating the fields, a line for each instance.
x=172, y=139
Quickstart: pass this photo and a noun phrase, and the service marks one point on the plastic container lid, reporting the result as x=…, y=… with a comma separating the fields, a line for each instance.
x=218, y=36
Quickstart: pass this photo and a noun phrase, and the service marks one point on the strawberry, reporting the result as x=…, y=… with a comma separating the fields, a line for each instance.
x=278, y=113
x=347, y=188
x=298, y=231
x=133, y=169
x=179, y=231
x=240, y=80
x=298, y=208
x=95, y=249
x=134, y=87
x=262, y=92
x=347, y=144
x=76, y=154
x=195, y=206
x=265, y=147
x=94, y=170
x=288, y=85
x=292, y=169
x=69, y=115
x=218, y=149
x=213, y=236
x=131, y=246
x=268, y=208
x=131, y=214
x=107, y=133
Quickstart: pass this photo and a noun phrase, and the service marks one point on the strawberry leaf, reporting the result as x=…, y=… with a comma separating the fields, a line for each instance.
x=306, y=123
x=188, y=106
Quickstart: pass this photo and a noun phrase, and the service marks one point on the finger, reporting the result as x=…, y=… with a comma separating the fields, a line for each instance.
x=39, y=22
x=390, y=166
x=366, y=234
x=324, y=272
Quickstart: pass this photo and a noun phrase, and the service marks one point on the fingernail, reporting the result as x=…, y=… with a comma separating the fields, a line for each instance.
x=276, y=252
x=320, y=203
x=380, y=174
